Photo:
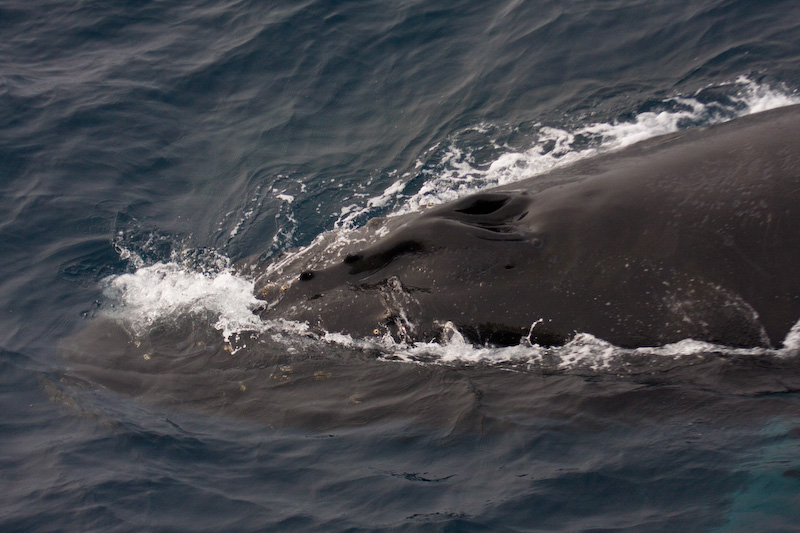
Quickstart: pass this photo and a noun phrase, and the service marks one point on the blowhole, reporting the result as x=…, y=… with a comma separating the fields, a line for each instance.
x=483, y=206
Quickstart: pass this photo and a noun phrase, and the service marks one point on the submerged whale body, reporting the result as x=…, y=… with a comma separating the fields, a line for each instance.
x=692, y=235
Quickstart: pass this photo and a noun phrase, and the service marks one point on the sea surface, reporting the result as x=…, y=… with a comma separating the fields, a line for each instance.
x=147, y=148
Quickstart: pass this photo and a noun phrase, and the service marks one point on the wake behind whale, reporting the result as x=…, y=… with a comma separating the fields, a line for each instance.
x=691, y=235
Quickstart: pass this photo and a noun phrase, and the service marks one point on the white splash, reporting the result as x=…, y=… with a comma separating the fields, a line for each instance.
x=155, y=293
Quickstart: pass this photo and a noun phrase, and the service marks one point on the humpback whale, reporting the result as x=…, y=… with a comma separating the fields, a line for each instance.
x=691, y=235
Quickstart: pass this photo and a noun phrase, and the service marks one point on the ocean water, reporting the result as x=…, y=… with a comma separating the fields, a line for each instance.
x=147, y=148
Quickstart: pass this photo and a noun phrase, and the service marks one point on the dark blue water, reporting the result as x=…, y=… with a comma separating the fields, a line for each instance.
x=167, y=142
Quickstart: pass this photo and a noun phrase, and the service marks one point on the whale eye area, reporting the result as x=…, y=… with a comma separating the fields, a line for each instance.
x=483, y=206
x=306, y=276
x=537, y=242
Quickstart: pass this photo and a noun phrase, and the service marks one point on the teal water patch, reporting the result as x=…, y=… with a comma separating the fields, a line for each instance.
x=770, y=501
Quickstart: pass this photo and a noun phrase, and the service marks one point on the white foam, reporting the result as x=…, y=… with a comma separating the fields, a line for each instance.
x=583, y=352
x=154, y=293
x=759, y=98
x=791, y=345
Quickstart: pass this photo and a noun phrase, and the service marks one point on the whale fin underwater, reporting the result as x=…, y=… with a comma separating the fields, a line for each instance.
x=691, y=235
